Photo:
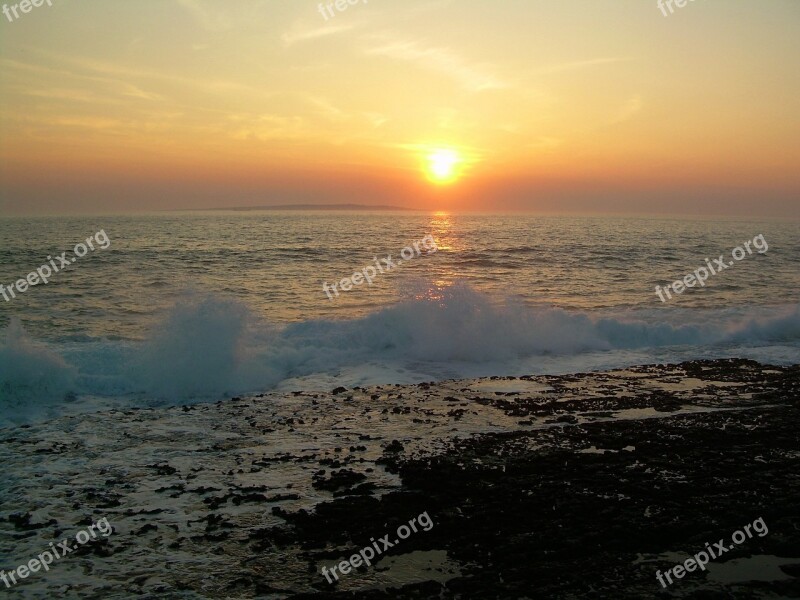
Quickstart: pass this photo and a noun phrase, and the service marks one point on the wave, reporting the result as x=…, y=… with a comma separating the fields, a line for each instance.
x=207, y=346
x=30, y=374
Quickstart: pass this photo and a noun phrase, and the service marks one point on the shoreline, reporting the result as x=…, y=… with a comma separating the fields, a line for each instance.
x=551, y=486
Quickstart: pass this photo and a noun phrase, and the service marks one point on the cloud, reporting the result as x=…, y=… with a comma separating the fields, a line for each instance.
x=91, y=69
x=581, y=64
x=302, y=33
x=475, y=78
x=325, y=108
x=546, y=143
x=212, y=21
x=225, y=16
x=628, y=109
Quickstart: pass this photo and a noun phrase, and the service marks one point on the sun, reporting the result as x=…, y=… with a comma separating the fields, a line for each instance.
x=442, y=165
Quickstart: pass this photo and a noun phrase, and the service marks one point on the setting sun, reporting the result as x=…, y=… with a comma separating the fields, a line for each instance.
x=442, y=165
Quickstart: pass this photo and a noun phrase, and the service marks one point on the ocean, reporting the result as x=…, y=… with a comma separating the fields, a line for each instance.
x=186, y=307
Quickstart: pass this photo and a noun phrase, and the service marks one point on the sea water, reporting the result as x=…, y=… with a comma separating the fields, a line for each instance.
x=198, y=306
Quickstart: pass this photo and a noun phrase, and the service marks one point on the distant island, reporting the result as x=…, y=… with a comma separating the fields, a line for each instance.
x=317, y=207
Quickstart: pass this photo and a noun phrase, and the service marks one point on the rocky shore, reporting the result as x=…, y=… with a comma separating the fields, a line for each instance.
x=574, y=486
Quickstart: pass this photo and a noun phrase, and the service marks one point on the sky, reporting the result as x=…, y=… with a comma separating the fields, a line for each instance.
x=550, y=106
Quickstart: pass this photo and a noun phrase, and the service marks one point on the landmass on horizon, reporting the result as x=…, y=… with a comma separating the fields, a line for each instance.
x=376, y=207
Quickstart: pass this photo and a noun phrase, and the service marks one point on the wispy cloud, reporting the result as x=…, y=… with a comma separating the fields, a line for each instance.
x=303, y=33
x=91, y=69
x=580, y=64
x=474, y=77
x=325, y=108
x=215, y=16
x=106, y=87
x=628, y=109
x=211, y=20
x=546, y=143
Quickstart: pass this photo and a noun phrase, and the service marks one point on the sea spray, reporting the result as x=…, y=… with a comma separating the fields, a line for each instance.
x=208, y=347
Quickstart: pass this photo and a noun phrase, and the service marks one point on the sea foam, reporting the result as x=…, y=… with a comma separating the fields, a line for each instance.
x=208, y=347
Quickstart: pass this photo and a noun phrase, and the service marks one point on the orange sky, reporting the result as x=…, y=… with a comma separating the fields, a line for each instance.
x=557, y=105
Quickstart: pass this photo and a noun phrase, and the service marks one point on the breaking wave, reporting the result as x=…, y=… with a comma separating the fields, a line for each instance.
x=207, y=347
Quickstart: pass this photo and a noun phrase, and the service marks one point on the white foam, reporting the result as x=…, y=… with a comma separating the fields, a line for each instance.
x=208, y=347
